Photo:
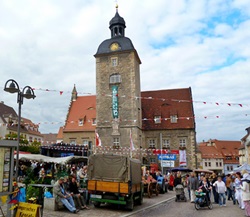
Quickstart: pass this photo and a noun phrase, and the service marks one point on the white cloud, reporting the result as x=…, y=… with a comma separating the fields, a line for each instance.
x=50, y=45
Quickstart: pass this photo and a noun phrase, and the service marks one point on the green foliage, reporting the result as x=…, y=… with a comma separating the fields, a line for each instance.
x=32, y=191
x=36, y=143
x=30, y=177
x=32, y=149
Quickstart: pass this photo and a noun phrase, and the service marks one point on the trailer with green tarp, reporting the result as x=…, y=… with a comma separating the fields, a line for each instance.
x=115, y=179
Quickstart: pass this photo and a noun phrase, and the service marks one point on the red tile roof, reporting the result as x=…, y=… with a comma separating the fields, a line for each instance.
x=49, y=138
x=60, y=133
x=209, y=152
x=226, y=148
x=165, y=108
x=83, y=108
x=6, y=111
x=31, y=127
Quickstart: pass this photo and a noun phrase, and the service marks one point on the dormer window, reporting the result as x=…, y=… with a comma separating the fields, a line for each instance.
x=80, y=122
x=173, y=118
x=115, y=79
x=157, y=119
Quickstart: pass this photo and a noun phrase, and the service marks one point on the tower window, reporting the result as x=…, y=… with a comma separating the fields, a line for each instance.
x=120, y=31
x=114, y=61
x=116, y=141
x=115, y=78
x=116, y=32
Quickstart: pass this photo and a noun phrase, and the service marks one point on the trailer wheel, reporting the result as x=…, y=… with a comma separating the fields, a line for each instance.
x=157, y=189
x=140, y=200
x=150, y=190
x=97, y=204
x=130, y=203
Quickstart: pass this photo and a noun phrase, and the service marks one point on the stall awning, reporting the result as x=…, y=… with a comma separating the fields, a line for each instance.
x=46, y=159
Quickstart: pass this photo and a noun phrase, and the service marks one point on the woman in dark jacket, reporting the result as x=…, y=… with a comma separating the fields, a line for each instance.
x=177, y=180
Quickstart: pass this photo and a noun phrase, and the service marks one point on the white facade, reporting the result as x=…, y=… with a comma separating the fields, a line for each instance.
x=215, y=164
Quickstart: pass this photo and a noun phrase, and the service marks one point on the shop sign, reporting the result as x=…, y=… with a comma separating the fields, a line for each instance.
x=167, y=157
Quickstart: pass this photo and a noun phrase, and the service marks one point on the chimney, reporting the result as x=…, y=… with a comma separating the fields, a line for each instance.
x=2, y=102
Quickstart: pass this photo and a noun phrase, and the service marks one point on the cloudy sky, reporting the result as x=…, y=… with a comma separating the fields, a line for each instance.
x=202, y=44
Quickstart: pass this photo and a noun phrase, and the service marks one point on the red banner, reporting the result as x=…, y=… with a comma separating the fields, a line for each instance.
x=165, y=151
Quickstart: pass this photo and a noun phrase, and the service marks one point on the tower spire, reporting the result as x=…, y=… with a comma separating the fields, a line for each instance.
x=117, y=25
x=74, y=94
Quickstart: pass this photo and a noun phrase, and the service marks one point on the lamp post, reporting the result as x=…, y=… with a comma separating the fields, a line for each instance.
x=27, y=92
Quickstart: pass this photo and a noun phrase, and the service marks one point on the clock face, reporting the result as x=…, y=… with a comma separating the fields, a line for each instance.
x=114, y=46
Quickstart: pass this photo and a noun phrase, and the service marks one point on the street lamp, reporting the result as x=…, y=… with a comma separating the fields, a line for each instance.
x=27, y=92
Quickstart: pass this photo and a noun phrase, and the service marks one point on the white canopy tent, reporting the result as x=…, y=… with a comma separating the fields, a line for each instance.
x=46, y=159
x=245, y=166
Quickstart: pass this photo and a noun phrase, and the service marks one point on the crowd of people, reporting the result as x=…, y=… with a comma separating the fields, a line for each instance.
x=232, y=187
x=221, y=188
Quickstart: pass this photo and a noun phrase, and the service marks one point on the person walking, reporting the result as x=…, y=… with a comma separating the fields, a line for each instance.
x=215, y=193
x=228, y=185
x=221, y=189
x=245, y=186
x=193, y=184
x=238, y=191
x=171, y=182
x=62, y=196
x=188, y=187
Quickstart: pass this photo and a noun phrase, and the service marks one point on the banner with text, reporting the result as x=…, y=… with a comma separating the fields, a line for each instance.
x=27, y=210
x=115, y=101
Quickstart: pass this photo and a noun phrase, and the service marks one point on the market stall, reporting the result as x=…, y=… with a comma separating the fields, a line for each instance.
x=45, y=159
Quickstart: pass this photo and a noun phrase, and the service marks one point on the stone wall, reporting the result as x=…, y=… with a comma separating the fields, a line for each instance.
x=173, y=136
x=128, y=98
x=79, y=137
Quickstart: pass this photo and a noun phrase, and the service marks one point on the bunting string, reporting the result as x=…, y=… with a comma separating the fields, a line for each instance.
x=121, y=120
x=230, y=104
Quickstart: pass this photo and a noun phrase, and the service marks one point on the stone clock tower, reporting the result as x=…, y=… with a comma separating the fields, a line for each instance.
x=118, y=91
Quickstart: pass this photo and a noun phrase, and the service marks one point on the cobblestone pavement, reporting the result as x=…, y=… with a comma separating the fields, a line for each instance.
x=160, y=206
x=182, y=209
x=111, y=210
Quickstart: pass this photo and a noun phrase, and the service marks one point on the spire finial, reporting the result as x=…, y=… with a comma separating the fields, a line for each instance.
x=116, y=6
